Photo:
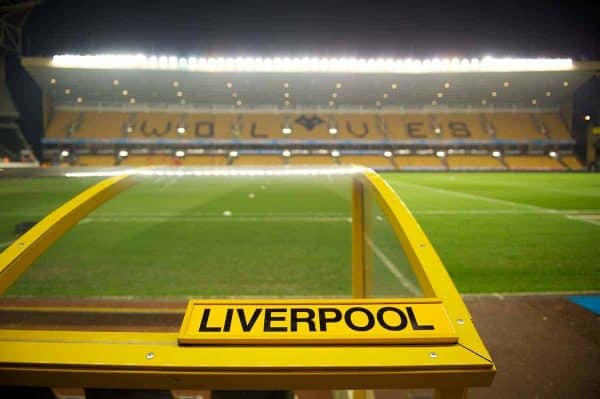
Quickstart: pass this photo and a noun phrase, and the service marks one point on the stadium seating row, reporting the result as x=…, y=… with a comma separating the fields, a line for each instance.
x=157, y=125
x=407, y=162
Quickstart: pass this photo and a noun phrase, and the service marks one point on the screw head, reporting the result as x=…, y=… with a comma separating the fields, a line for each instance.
x=150, y=355
x=460, y=321
x=432, y=355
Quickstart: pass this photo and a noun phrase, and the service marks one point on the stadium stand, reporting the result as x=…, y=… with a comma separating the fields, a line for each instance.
x=474, y=162
x=533, y=162
x=96, y=160
x=161, y=125
x=415, y=162
x=264, y=160
x=572, y=162
x=313, y=160
x=372, y=161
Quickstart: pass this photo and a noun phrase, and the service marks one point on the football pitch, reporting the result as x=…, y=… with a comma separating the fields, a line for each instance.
x=184, y=236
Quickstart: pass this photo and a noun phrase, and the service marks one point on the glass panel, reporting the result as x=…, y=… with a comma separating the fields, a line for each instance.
x=141, y=255
x=392, y=274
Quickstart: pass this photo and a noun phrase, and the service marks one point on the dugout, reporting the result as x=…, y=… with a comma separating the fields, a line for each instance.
x=236, y=279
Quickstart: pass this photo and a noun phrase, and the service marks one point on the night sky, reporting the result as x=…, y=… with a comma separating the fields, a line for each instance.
x=319, y=28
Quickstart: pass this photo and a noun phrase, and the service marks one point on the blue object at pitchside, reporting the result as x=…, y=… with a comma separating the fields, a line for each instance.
x=589, y=302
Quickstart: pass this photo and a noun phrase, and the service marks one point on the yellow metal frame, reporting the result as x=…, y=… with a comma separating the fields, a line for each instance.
x=155, y=360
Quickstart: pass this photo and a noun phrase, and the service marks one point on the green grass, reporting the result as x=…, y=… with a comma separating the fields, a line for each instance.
x=495, y=232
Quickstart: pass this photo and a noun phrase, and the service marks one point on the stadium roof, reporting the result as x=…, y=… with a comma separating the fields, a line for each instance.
x=284, y=83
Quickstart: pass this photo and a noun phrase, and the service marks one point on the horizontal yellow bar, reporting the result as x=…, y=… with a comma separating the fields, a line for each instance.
x=280, y=322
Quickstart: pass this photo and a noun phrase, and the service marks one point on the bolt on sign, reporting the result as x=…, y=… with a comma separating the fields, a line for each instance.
x=314, y=322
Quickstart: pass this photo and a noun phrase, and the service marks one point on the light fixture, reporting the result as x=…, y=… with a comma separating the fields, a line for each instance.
x=534, y=101
x=175, y=83
x=447, y=85
x=234, y=94
x=67, y=91
x=494, y=94
x=287, y=102
x=64, y=153
x=378, y=103
x=286, y=85
x=483, y=102
x=394, y=86
x=286, y=130
x=333, y=130
x=334, y=94
x=387, y=154
x=440, y=95
x=434, y=102
x=437, y=130
x=123, y=153
x=181, y=130
x=286, y=153
x=331, y=103
x=129, y=129
x=496, y=154
x=587, y=117
x=229, y=85
x=115, y=82
x=180, y=153
x=79, y=100
x=132, y=100
x=385, y=95
x=552, y=154
x=286, y=95
x=335, y=153
x=124, y=92
x=239, y=102
x=233, y=154
x=52, y=81
x=182, y=102
x=565, y=83
x=440, y=154
x=338, y=85
x=179, y=93
x=548, y=93
x=506, y=84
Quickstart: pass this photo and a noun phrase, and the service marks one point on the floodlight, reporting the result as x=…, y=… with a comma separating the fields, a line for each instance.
x=67, y=91
x=52, y=81
x=180, y=153
x=79, y=100
x=440, y=154
x=496, y=154
x=233, y=154
x=335, y=153
x=387, y=154
x=506, y=84
x=447, y=85
x=132, y=100
x=64, y=153
x=553, y=154
x=548, y=93
x=587, y=117
x=286, y=153
x=115, y=82
x=181, y=130
x=494, y=94
x=565, y=83
x=440, y=95
x=437, y=130
x=333, y=130
x=286, y=130
x=123, y=153
x=124, y=92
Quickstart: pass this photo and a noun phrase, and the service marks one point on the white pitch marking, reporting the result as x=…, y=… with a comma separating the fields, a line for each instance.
x=162, y=219
x=582, y=218
x=393, y=268
x=481, y=198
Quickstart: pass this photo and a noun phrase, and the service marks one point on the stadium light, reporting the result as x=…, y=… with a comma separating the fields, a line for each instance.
x=233, y=154
x=286, y=153
x=587, y=117
x=286, y=130
x=53, y=81
x=67, y=91
x=440, y=154
x=333, y=130
x=387, y=154
x=181, y=130
x=553, y=154
x=496, y=154
x=437, y=130
x=335, y=153
x=115, y=82
x=180, y=153
x=123, y=153
x=314, y=64
x=64, y=153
